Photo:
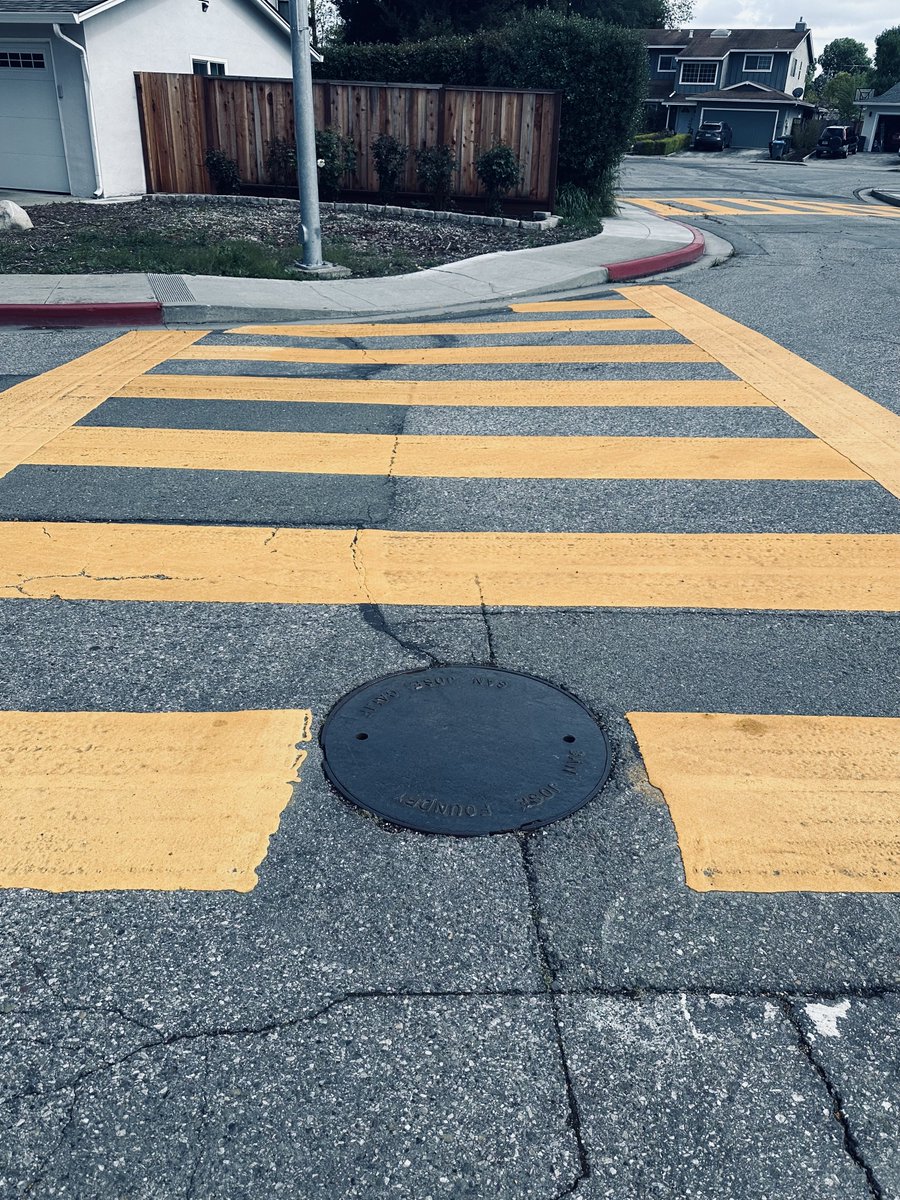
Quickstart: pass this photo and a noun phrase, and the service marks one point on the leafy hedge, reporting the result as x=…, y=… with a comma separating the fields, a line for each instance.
x=652, y=143
x=600, y=69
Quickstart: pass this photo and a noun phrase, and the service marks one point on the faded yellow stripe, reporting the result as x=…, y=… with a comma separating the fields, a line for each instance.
x=501, y=393
x=779, y=803
x=33, y=412
x=656, y=206
x=575, y=306
x=93, y=801
x=774, y=207
x=454, y=328
x=864, y=432
x=449, y=456
x=839, y=572
x=644, y=352
x=687, y=206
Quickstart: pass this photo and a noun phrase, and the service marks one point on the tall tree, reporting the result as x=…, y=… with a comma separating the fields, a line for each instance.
x=412, y=20
x=844, y=56
x=887, y=60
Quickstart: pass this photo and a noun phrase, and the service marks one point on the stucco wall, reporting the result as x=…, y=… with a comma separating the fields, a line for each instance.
x=164, y=35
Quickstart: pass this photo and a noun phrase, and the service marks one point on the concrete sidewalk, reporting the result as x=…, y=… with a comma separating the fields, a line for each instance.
x=632, y=244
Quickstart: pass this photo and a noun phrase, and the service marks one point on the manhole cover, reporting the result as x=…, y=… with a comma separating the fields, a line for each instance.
x=464, y=750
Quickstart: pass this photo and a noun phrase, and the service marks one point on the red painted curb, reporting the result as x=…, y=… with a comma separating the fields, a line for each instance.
x=659, y=262
x=38, y=316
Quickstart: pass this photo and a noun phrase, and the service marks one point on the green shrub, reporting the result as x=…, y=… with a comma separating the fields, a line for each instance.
x=578, y=207
x=337, y=154
x=600, y=69
x=223, y=171
x=434, y=170
x=661, y=145
x=390, y=161
x=499, y=172
x=281, y=162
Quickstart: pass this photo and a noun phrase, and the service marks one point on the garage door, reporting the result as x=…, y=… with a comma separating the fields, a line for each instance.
x=750, y=127
x=32, y=155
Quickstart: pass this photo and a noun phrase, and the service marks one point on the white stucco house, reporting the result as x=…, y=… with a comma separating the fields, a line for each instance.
x=68, y=108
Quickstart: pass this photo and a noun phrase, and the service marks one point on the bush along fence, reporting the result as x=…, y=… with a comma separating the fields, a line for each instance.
x=600, y=69
x=207, y=134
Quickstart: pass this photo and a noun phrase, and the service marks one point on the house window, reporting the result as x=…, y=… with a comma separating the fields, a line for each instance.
x=698, y=72
x=23, y=60
x=284, y=9
x=758, y=62
x=666, y=62
x=208, y=66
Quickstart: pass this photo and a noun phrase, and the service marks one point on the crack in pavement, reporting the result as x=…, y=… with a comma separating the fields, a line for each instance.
x=492, y=658
x=851, y=1146
x=547, y=972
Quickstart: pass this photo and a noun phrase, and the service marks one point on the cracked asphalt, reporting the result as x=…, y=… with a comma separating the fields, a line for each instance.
x=521, y=1017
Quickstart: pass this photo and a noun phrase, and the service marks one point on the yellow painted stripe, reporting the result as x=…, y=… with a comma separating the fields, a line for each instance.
x=644, y=352
x=480, y=393
x=94, y=801
x=839, y=572
x=765, y=206
x=688, y=206
x=656, y=206
x=453, y=328
x=779, y=803
x=449, y=456
x=33, y=412
x=864, y=432
x=575, y=306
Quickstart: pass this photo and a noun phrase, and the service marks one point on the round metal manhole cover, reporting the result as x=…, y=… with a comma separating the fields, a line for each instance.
x=464, y=750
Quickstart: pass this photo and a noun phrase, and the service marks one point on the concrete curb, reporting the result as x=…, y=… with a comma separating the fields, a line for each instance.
x=637, y=267
x=887, y=197
x=40, y=316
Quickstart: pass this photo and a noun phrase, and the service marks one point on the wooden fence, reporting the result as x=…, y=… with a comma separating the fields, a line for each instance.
x=183, y=116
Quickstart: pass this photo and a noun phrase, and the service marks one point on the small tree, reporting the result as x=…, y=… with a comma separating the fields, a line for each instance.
x=498, y=169
x=390, y=157
x=337, y=154
x=434, y=170
x=840, y=94
x=281, y=162
x=223, y=171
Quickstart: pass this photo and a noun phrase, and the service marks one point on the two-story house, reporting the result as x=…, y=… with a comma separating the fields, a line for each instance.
x=751, y=78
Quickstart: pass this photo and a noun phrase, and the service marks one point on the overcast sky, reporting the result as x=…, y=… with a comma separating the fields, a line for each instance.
x=828, y=19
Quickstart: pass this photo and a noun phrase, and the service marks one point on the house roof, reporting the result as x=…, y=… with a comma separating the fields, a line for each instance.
x=69, y=12
x=704, y=45
x=740, y=93
x=891, y=96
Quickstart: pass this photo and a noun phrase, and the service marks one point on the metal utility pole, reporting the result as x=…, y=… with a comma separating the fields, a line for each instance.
x=305, y=134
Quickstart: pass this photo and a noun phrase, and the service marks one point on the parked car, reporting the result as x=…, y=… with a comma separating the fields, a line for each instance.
x=713, y=135
x=837, y=141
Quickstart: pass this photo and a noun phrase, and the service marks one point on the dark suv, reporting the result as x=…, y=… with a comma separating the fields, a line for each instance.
x=713, y=135
x=837, y=141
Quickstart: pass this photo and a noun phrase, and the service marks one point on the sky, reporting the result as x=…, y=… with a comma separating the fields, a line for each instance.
x=828, y=19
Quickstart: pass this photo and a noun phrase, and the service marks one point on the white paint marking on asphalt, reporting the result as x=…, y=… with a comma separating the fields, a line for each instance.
x=825, y=1017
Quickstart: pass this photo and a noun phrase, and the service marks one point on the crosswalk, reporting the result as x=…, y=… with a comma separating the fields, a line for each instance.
x=740, y=206
x=636, y=452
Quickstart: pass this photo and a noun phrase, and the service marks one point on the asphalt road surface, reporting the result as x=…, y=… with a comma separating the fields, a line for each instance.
x=687, y=989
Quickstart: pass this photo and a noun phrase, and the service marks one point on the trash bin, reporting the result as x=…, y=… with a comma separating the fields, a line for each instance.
x=861, y=143
x=776, y=148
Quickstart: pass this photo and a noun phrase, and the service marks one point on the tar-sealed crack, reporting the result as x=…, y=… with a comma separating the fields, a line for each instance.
x=374, y=617
x=852, y=1147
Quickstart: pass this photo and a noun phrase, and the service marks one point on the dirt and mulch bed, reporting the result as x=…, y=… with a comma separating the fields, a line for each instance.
x=254, y=242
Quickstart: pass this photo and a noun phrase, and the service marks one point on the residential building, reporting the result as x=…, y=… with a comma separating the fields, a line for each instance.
x=751, y=78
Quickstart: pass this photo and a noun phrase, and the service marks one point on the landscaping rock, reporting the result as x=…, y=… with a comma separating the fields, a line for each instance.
x=13, y=219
